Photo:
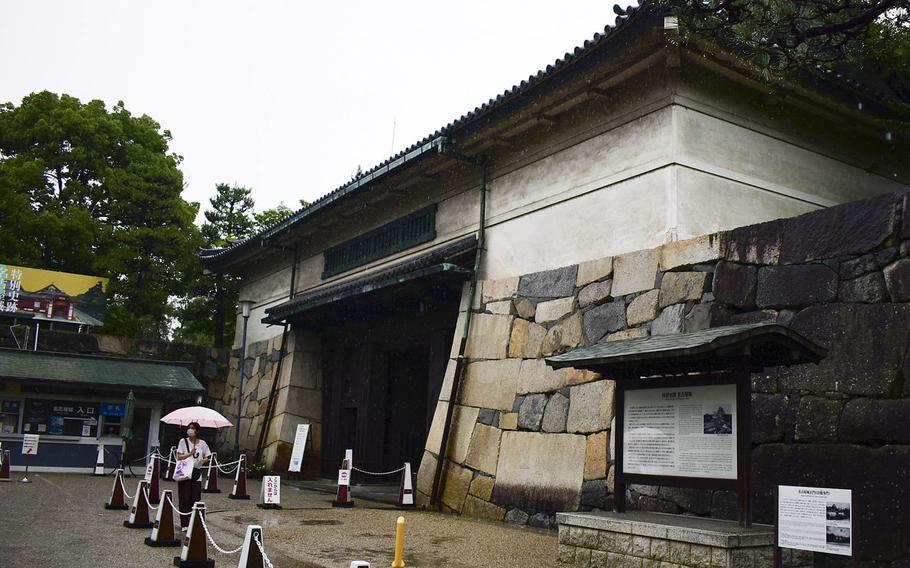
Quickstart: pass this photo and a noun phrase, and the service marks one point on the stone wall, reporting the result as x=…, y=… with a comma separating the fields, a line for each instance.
x=297, y=399
x=528, y=441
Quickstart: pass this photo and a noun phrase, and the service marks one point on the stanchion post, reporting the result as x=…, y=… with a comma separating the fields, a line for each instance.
x=399, y=543
x=195, y=552
x=163, y=528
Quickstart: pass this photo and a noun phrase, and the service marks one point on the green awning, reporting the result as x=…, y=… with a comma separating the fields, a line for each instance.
x=89, y=370
x=760, y=345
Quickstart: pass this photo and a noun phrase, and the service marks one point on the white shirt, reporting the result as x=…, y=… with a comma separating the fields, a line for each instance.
x=200, y=448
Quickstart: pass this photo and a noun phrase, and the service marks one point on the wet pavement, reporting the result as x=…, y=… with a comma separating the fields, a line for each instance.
x=59, y=521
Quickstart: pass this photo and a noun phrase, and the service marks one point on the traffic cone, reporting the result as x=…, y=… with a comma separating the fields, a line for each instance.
x=154, y=482
x=171, y=464
x=163, y=528
x=99, y=461
x=118, y=494
x=343, y=494
x=194, y=553
x=139, y=513
x=251, y=556
x=239, y=490
x=406, y=490
x=211, y=478
x=4, y=465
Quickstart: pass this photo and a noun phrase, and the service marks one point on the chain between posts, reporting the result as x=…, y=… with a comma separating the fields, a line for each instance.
x=378, y=473
x=211, y=540
x=265, y=558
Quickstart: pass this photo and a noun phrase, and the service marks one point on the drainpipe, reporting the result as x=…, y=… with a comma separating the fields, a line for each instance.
x=270, y=405
x=438, y=480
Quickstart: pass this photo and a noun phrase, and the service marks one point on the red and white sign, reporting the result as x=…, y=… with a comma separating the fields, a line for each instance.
x=344, y=477
x=150, y=469
x=30, y=444
x=271, y=490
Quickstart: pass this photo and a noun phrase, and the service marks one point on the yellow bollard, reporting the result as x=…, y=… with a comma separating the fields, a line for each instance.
x=399, y=543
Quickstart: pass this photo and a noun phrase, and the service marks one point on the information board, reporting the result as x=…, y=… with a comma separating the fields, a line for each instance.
x=299, y=447
x=30, y=444
x=271, y=490
x=60, y=417
x=818, y=519
x=681, y=431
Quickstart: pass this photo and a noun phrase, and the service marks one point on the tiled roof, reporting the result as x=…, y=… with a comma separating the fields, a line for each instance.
x=92, y=370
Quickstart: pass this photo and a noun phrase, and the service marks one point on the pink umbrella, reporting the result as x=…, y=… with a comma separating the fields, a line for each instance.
x=206, y=417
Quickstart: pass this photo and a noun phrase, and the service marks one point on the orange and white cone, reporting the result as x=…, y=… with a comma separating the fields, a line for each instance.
x=139, y=513
x=99, y=461
x=163, y=528
x=118, y=494
x=171, y=465
x=251, y=556
x=239, y=490
x=211, y=478
x=4, y=466
x=154, y=483
x=406, y=490
x=343, y=494
x=195, y=553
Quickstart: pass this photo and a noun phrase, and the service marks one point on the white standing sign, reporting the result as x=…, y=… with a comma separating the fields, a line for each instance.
x=818, y=519
x=299, y=447
x=681, y=431
x=271, y=490
x=30, y=444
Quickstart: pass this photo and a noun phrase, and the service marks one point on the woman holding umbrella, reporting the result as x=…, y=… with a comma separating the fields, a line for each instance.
x=190, y=490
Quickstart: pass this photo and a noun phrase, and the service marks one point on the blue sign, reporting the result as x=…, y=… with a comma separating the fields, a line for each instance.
x=112, y=409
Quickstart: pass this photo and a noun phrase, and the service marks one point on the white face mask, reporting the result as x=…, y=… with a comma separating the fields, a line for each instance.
x=191, y=432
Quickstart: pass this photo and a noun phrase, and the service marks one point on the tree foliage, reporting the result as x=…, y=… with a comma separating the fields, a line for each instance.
x=90, y=190
x=781, y=37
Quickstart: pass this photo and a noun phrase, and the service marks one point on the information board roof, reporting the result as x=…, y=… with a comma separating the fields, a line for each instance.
x=759, y=345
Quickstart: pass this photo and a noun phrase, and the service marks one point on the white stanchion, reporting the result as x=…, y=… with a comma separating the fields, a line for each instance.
x=99, y=461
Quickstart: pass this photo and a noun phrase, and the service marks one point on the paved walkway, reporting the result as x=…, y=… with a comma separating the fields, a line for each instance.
x=59, y=521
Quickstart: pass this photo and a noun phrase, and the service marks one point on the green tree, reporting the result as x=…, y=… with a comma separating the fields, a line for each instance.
x=91, y=190
x=230, y=217
x=268, y=217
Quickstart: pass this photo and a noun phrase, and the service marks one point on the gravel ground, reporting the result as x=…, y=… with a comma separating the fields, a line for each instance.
x=59, y=521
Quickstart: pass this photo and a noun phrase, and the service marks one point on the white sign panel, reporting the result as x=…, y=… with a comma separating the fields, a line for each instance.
x=344, y=477
x=817, y=519
x=30, y=444
x=299, y=447
x=271, y=490
x=681, y=431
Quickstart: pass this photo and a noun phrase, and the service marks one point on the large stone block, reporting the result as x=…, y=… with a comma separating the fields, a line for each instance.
x=594, y=494
x=530, y=413
x=580, y=376
x=596, y=456
x=897, y=279
x=817, y=419
x=501, y=289
x=669, y=321
x=734, y=284
x=592, y=270
x=502, y=307
x=690, y=252
x=554, y=309
x=480, y=509
x=555, y=414
x=482, y=487
x=643, y=308
x=794, y=286
x=678, y=287
x=876, y=475
x=491, y=384
x=755, y=244
x=635, y=272
x=768, y=417
x=425, y=474
x=457, y=483
x=483, y=452
x=556, y=283
x=524, y=307
x=563, y=336
x=596, y=293
x=866, y=420
x=866, y=345
x=852, y=228
x=464, y=418
x=536, y=376
x=489, y=337
x=540, y=472
x=590, y=407
x=604, y=319
x=634, y=333
x=869, y=289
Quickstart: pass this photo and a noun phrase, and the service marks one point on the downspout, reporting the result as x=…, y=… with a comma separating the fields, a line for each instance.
x=270, y=405
x=438, y=481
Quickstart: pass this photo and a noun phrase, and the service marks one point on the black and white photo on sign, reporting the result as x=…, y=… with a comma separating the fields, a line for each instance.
x=718, y=420
x=838, y=536
x=838, y=511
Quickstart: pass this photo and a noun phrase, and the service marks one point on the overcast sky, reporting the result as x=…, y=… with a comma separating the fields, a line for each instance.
x=286, y=97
